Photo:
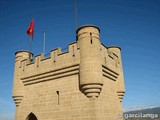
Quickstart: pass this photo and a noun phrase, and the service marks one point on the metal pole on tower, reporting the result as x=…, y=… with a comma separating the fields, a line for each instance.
x=30, y=32
x=30, y=46
x=44, y=41
x=76, y=16
x=30, y=55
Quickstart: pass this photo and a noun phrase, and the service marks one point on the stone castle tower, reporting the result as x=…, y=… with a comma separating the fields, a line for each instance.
x=84, y=83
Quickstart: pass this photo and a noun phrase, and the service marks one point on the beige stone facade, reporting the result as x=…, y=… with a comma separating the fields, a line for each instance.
x=84, y=83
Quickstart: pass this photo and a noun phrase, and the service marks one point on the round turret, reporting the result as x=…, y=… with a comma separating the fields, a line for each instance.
x=90, y=62
x=22, y=55
x=120, y=81
x=18, y=85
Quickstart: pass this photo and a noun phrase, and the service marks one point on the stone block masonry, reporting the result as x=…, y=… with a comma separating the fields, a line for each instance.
x=84, y=83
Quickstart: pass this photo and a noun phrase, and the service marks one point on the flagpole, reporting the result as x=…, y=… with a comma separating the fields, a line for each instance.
x=30, y=32
x=76, y=17
x=44, y=41
x=75, y=12
x=30, y=49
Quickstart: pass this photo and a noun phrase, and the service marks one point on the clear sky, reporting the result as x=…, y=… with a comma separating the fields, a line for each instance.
x=134, y=25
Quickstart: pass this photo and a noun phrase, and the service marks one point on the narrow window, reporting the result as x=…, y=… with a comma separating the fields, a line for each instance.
x=91, y=37
x=57, y=97
x=73, y=51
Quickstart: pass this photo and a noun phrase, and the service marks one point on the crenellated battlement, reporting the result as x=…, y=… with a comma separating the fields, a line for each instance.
x=73, y=51
x=55, y=54
x=57, y=61
x=39, y=64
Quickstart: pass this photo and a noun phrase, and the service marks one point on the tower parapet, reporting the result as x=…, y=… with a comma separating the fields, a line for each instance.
x=42, y=69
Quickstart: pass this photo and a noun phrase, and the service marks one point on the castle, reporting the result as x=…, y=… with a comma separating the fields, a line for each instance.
x=84, y=83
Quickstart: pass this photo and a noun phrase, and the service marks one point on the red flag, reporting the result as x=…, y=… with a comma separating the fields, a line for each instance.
x=30, y=30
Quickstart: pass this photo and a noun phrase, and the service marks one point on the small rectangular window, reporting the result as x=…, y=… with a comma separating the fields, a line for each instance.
x=91, y=37
x=57, y=97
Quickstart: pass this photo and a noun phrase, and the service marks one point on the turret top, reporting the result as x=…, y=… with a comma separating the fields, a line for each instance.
x=23, y=51
x=87, y=26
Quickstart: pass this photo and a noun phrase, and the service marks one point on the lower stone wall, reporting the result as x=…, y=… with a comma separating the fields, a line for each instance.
x=61, y=99
x=108, y=105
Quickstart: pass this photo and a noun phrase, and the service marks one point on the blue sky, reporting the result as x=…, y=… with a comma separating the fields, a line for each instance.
x=134, y=25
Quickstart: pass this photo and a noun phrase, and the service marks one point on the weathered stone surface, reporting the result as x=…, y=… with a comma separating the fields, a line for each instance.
x=84, y=83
